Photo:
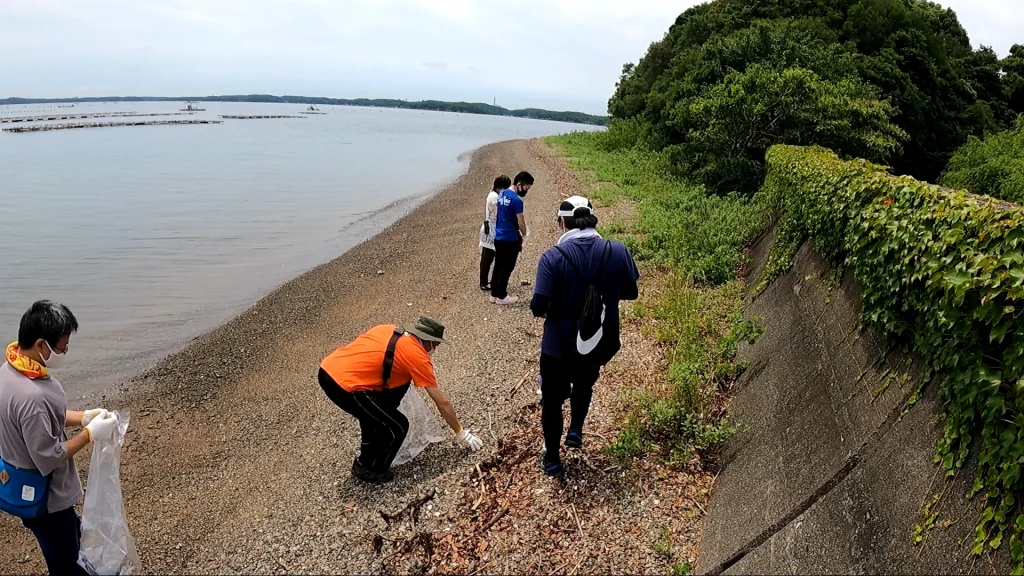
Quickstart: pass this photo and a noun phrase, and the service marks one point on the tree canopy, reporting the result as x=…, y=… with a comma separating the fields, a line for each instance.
x=895, y=81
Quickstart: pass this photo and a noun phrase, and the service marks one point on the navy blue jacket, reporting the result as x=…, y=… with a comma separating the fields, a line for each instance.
x=558, y=289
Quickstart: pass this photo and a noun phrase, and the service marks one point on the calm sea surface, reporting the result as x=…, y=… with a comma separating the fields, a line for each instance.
x=153, y=235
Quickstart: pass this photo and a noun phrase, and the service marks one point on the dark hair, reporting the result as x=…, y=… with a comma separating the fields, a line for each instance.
x=501, y=183
x=48, y=320
x=582, y=217
x=523, y=178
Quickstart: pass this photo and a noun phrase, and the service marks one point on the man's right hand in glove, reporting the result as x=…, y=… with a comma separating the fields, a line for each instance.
x=101, y=427
x=469, y=440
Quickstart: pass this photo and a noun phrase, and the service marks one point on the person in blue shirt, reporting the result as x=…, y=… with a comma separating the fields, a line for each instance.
x=509, y=230
x=571, y=360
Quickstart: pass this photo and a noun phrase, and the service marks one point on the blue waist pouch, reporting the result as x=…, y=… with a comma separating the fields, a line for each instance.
x=23, y=493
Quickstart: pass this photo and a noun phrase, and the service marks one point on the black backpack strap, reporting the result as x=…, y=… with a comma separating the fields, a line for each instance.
x=605, y=258
x=389, y=356
x=571, y=263
x=604, y=261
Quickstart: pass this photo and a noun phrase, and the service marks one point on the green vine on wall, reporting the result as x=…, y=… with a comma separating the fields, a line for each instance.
x=943, y=271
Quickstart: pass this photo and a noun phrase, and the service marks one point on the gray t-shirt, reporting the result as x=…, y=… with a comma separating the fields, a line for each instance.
x=32, y=414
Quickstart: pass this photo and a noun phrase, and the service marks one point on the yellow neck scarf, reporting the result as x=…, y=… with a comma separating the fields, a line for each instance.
x=27, y=366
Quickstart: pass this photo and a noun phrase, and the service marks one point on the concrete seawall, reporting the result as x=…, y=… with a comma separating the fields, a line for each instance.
x=830, y=475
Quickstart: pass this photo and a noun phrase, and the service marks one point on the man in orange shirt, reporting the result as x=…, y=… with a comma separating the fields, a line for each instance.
x=368, y=379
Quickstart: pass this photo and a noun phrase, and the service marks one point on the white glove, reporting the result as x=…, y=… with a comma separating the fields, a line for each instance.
x=102, y=427
x=469, y=440
x=88, y=415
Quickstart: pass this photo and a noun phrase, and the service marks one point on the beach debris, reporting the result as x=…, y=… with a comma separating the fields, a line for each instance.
x=498, y=516
x=521, y=381
x=380, y=272
x=413, y=508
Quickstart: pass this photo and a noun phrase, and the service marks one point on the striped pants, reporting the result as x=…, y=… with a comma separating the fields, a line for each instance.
x=382, y=425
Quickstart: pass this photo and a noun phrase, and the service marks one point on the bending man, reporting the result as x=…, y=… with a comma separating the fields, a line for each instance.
x=368, y=379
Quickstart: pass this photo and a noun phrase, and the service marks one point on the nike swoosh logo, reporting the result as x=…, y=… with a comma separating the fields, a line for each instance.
x=587, y=346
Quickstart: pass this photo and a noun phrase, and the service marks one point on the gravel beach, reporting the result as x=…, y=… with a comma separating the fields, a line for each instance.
x=236, y=462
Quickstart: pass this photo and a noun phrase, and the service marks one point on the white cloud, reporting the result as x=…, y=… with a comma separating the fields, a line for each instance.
x=546, y=53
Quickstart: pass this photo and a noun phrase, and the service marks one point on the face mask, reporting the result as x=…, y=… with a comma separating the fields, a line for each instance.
x=55, y=360
x=522, y=193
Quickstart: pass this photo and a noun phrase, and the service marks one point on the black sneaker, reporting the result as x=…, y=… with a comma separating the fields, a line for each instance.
x=574, y=439
x=552, y=469
x=363, y=473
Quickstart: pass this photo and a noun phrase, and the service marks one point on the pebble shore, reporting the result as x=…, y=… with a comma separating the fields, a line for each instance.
x=236, y=462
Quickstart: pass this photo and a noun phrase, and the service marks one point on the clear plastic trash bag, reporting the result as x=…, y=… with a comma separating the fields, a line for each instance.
x=423, y=427
x=107, y=547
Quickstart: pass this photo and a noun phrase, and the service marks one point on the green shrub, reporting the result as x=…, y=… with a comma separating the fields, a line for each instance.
x=729, y=126
x=621, y=135
x=993, y=166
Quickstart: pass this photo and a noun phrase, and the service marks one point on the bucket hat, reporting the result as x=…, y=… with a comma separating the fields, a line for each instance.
x=426, y=328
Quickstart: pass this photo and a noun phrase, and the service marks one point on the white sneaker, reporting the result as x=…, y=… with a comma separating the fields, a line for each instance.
x=510, y=299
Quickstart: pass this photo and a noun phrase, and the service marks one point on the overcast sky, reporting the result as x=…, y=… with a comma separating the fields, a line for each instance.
x=557, y=54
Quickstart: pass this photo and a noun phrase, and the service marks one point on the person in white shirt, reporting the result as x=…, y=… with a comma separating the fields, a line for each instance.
x=487, y=230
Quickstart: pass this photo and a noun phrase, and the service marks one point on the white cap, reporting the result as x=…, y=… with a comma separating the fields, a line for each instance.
x=571, y=204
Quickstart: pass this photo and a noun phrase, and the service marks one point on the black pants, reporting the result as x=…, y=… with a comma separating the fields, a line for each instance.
x=563, y=378
x=383, y=427
x=505, y=256
x=59, y=535
x=486, y=259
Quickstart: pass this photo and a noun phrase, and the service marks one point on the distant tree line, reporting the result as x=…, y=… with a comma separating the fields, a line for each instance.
x=894, y=81
x=434, y=105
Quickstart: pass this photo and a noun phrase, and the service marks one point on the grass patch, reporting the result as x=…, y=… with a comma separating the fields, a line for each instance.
x=695, y=309
x=681, y=569
x=682, y=226
x=699, y=329
x=663, y=545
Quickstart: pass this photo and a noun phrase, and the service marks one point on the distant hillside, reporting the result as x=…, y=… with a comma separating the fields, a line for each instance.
x=466, y=107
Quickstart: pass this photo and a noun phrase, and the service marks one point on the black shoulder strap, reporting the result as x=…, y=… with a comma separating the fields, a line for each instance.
x=600, y=271
x=569, y=260
x=389, y=356
x=604, y=260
